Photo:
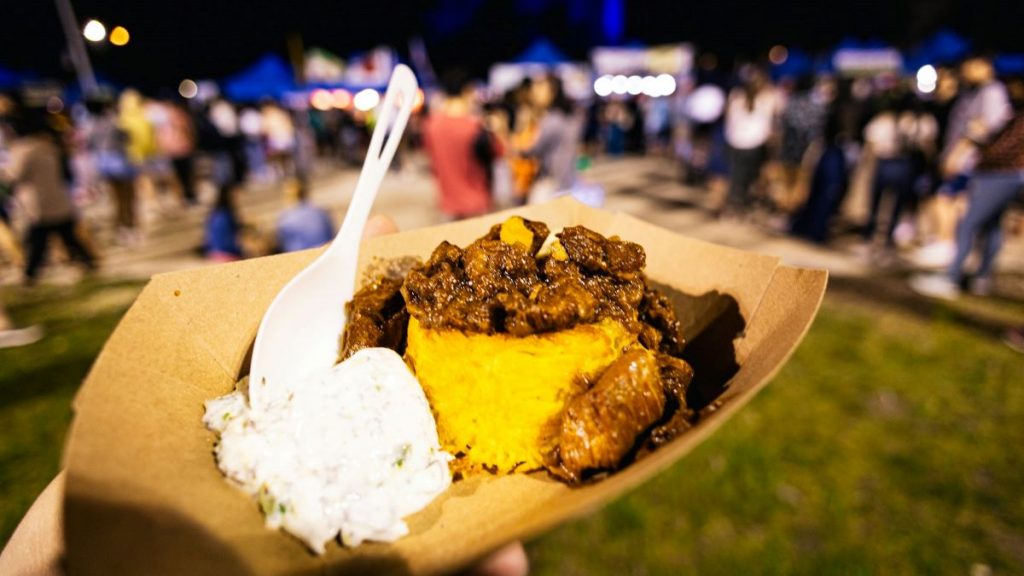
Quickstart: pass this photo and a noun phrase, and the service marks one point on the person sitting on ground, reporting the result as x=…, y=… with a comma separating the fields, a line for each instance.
x=302, y=225
x=223, y=228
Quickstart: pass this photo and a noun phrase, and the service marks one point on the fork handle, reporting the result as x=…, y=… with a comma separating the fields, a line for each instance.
x=383, y=144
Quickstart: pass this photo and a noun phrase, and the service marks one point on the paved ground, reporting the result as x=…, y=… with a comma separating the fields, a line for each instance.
x=645, y=187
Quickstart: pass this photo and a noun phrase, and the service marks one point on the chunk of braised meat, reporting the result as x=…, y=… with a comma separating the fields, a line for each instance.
x=662, y=330
x=459, y=289
x=676, y=376
x=493, y=267
x=611, y=297
x=562, y=301
x=498, y=285
x=600, y=426
x=376, y=317
x=595, y=253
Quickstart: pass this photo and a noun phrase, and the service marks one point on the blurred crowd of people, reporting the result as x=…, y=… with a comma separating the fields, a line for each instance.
x=921, y=176
x=936, y=170
x=177, y=155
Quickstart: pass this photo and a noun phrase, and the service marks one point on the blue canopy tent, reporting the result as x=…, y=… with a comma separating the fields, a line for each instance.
x=542, y=51
x=798, y=63
x=943, y=47
x=1010, y=64
x=10, y=78
x=269, y=77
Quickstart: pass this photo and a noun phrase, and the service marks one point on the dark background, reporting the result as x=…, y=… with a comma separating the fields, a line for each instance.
x=174, y=39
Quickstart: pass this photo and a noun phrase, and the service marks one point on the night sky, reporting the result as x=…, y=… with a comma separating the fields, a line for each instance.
x=174, y=39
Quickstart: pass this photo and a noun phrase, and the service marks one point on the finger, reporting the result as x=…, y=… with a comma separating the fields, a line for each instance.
x=508, y=561
x=379, y=225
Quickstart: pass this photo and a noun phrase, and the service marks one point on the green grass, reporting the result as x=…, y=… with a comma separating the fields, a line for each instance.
x=891, y=443
x=38, y=382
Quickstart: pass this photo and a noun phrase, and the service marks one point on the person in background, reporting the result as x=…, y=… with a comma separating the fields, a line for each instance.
x=522, y=121
x=250, y=126
x=36, y=172
x=802, y=119
x=996, y=183
x=109, y=143
x=223, y=228
x=176, y=139
x=558, y=139
x=230, y=157
x=134, y=122
x=828, y=186
x=302, y=225
x=750, y=117
x=979, y=112
x=617, y=122
x=502, y=186
x=894, y=136
x=10, y=249
x=279, y=135
x=451, y=134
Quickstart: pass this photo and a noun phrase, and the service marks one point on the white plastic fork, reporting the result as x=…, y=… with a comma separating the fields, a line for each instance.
x=300, y=331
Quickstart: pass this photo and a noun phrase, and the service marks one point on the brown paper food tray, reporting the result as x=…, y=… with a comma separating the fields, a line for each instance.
x=144, y=495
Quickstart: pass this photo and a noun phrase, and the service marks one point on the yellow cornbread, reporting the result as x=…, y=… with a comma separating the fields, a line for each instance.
x=497, y=398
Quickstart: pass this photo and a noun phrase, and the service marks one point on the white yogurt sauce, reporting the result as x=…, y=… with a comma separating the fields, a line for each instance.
x=351, y=450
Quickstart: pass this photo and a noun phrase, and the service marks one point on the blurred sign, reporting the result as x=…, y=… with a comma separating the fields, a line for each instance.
x=675, y=59
x=857, y=61
x=372, y=68
x=323, y=66
x=618, y=60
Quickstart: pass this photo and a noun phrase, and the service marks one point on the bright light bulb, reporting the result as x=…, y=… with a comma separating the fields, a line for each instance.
x=94, y=31
x=188, y=88
x=603, y=86
x=366, y=100
x=119, y=36
x=927, y=74
x=341, y=98
x=706, y=103
x=321, y=99
x=634, y=84
x=649, y=86
x=927, y=79
x=619, y=84
x=666, y=84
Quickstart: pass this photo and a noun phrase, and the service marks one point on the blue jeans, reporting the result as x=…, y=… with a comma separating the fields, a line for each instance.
x=895, y=175
x=991, y=193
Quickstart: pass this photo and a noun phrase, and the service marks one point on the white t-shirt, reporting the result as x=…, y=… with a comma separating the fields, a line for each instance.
x=890, y=136
x=748, y=128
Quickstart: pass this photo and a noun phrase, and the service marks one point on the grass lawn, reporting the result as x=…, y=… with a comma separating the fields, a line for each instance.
x=890, y=443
